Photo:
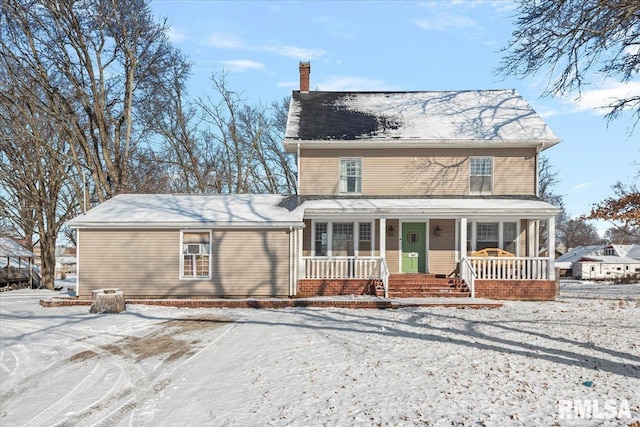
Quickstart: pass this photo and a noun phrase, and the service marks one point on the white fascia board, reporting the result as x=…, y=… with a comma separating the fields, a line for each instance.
x=292, y=144
x=185, y=225
x=432, y=214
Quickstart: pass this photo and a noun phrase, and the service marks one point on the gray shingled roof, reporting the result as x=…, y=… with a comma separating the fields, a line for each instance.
x=475, y=115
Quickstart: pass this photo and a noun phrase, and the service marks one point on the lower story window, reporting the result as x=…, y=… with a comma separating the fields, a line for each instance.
x=342, y=244
x=487, y=235
x=196, y=255
x=482, y=235
x=321, y=239
x=342, y=239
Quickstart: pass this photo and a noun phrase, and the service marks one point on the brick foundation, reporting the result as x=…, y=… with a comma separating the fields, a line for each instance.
x=322, y=288
x=271, y=303
x=523, y=290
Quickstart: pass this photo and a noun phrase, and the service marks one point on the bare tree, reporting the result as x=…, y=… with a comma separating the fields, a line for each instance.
x=71, y=76
x=38, y=190
x=547, y=183
x=578, y=232
x=186, y=156
x=623, y=235
x=249, y=156
x=573, y=40
x=92, y=59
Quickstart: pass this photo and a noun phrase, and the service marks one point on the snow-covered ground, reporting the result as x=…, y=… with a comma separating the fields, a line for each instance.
x=527, y=363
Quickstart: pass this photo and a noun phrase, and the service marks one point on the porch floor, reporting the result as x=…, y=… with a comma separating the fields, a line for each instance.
x=363, y=301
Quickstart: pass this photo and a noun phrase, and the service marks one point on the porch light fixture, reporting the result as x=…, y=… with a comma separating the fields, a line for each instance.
x=392, y=231
x=438, y=230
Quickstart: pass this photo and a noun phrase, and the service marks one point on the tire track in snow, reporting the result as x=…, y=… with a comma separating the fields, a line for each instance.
x=96, y=373
x=115, y=407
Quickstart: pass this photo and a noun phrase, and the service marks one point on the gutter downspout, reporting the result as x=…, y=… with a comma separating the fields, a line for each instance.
x=537, y=165
x=292, y=262
x=298, y=168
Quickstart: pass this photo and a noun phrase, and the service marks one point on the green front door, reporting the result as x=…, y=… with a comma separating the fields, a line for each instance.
x=413, y=247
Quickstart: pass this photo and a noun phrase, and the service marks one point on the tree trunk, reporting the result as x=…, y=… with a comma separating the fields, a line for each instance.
x=107, y=301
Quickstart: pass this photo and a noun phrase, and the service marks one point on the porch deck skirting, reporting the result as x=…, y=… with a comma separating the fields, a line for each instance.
x=333, y=287
x=342, y=275
x=520, y=290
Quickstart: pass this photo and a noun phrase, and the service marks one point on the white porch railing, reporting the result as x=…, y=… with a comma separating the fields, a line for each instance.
x=384, y=275
x=510, y=268
x=341, y=267
x=468, y=274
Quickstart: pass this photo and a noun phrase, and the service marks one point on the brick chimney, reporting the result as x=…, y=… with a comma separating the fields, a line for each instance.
x=305, y=71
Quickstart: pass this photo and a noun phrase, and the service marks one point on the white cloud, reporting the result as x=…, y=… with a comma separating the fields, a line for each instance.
x=632, y=50
x=499, y=6
x=445, y=21
x=581, y=186
x=290, y=84
x=224, y=41
x=242, y=65
x=231, y=41
x=596, y=100
x=175, y=35
x=292, y=51
x=348, y=83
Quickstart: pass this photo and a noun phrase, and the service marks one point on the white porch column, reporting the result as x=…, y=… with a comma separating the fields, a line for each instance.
x=551, y=246
x=532, y=250
x=383, y=237
x=463, y=238
x=301, y=271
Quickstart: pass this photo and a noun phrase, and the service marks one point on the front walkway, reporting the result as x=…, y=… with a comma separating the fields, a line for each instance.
x=365, y=301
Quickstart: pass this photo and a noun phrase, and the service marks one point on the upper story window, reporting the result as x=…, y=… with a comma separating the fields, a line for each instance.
x=480, y=175
x=350, y=175
x=196, y=255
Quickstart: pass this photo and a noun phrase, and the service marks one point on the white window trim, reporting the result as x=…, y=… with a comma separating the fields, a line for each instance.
x=181, y=272
x=340, y=174
x=473, y=235
x=493, y=173
x=356, y=236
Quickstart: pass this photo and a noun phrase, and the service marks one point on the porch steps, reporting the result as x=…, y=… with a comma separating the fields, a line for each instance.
x=426, y=286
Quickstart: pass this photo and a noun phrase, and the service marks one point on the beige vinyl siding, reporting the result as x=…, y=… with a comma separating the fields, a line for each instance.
x=146, y=263
x=442, y=248
x=417, y=171
x=393, y=247
x=522, y=238
x=307, y=244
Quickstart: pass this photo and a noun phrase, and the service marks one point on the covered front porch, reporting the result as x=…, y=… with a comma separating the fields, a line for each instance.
x=489, y=247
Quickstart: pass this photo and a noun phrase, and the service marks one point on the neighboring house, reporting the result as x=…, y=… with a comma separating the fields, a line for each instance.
x=605, y=267
x=601, y=262
x=566, y=261
x=397, y=192
x=16, y=265
x=65, y=265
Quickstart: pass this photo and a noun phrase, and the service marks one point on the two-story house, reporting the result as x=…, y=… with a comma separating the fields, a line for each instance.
x=399, y=194
x=420, y=182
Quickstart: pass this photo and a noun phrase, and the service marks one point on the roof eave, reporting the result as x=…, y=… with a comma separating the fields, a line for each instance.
x=291, y=144
x=434, y=213
x=185, y=224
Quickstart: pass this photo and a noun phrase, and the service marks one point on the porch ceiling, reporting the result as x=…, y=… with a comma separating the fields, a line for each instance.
x=523, y=208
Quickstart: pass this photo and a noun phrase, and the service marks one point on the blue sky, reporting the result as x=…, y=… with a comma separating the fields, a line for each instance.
x=400, y=45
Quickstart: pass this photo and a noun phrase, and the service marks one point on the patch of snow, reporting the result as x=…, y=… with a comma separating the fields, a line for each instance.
x=411, y=366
